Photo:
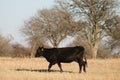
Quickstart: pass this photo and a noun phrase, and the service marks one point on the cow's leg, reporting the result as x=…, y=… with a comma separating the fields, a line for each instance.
x=59, y=64
x=80, y=65
x=50, y=65
x=84, y=64
x=84, y=67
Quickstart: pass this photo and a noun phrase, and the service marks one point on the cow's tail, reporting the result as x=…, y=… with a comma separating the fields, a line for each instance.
x=85, y=61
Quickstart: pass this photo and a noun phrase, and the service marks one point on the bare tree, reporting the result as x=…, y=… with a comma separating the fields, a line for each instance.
x=94, y=13
x=50, y=26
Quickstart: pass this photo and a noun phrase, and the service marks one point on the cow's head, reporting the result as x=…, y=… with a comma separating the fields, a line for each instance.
x=39, y=52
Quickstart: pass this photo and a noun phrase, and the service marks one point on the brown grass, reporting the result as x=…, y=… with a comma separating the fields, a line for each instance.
x=36, y=69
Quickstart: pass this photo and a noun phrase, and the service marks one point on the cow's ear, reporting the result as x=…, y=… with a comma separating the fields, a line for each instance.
x=40, y=47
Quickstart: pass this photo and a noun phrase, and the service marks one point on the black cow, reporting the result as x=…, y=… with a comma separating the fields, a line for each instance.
x=63, y=55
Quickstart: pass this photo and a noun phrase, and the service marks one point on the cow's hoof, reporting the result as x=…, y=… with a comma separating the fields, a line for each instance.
x=49, y=70
x=61, y=71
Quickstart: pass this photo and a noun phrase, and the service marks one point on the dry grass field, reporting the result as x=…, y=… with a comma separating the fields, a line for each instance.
x=36, y=69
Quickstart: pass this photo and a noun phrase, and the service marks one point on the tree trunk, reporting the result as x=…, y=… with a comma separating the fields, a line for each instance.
x=33, y=49
x=55, y=45
x=95, y=49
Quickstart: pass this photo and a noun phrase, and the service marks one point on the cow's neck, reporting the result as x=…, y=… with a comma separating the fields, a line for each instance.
x=47, y=56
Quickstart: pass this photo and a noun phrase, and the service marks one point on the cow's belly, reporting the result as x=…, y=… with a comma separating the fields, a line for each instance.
x=66, y=61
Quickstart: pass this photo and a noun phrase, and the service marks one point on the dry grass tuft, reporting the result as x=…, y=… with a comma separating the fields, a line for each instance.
x=36, y=69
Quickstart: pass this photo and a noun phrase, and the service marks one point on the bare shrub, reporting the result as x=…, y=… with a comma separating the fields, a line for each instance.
x=20, y=51
x=104, y=52
x=5, y=47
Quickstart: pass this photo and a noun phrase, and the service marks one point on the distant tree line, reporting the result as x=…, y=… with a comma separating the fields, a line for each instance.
x=7, y=49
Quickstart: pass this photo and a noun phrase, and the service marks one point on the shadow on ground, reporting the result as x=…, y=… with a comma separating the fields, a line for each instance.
x=42, y=70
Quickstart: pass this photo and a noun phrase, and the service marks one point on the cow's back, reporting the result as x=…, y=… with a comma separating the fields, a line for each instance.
x=70, y=50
